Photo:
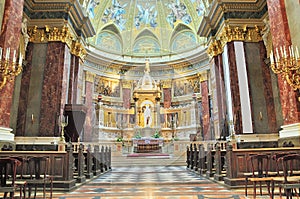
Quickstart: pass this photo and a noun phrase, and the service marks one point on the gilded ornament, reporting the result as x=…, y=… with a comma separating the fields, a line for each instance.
x=126, y=83
x=166, y=83
x=89, y=77
x=203, y=76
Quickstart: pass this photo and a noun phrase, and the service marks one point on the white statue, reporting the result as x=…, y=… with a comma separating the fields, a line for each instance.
x=147, y=116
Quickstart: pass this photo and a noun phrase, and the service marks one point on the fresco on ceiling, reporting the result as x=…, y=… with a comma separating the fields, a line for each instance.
x=108, y=41
x=146, y=46
x=178, y=12
x=91, y=7
x=115, y=13
x=146, y=15
x=184, y=40
x=200, y=7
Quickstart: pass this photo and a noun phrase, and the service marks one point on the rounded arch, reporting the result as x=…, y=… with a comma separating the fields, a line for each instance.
x=109, y=39
x=182, y=39
x=146, y=43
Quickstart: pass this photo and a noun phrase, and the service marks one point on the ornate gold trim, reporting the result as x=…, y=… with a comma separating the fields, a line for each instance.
x=166, y=83
x=89, y=77
x=203, y=76
x=63, y=34
x=228, y=34
x=126, y=83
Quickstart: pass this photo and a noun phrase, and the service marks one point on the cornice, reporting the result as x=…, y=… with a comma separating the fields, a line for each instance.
x=74, y=15
x=224, y=10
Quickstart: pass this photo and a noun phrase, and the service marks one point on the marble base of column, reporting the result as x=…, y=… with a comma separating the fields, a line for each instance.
x=290, y=130
x=6, y=135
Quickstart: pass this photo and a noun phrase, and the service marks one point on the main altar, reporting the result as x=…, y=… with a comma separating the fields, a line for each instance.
x=147, y=95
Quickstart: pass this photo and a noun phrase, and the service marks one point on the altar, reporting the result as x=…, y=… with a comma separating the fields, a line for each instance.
x=147, y=145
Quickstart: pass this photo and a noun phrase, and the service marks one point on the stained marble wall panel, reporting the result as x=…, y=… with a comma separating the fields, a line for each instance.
x=9, y=38
x=263, y=107
x=90, y=117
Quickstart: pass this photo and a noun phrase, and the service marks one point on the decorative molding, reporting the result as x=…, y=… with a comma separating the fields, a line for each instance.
x=62, y=34
x=229, y=34
x=89, y=77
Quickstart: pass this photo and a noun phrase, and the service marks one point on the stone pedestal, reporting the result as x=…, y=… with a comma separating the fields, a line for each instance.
x=290, y=130
x=6, y=138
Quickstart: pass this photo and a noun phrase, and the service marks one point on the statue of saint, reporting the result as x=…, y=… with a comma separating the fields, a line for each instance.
x=24, y=37
x=266, y=36
x=147, y=116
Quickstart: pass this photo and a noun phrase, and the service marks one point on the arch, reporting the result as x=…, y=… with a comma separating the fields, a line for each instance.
x=183, y=38
x=146, y=43
x=109, y=39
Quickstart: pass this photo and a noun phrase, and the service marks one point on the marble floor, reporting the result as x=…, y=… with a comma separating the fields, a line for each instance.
x=155, y=182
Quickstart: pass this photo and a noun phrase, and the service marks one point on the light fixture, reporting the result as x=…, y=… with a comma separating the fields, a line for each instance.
x=287, y=63
x=9, y=69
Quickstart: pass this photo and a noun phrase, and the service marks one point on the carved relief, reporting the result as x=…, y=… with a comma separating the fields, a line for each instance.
x=107, y=87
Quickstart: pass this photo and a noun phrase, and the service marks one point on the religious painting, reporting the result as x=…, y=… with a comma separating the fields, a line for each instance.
x=115, y=13
x=146, y=45
x=107, y=87
x=178, y=11
x=186, y=87
x=109, y=42
x=184, y=40
x=147, y=15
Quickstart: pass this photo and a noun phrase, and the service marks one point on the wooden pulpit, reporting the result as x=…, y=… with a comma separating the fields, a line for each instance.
x=76, y=117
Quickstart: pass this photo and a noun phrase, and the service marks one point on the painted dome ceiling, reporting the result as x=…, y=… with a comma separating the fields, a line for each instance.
x=146, y=27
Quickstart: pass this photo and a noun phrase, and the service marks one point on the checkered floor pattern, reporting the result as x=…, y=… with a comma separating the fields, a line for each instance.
x=173, y=182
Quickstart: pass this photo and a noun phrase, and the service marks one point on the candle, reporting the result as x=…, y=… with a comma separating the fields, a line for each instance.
x=292, y=51
x=284, y=51
x=20, y=59
x=297, y=52
x=0, y=53
x=271, y=57
x=281, y=51
x=31, y=117
x=277, y=55
x=14, y=57
x=7, y=54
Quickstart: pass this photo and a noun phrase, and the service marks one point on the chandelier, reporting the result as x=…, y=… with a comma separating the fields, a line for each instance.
x=9, y=68
x=287, y=63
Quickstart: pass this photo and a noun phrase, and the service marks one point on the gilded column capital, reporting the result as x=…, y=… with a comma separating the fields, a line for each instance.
x=61, y=34
x=203, y=76
x=89, y=76
x=233, y=33
x=166, y=83
x=126, y=83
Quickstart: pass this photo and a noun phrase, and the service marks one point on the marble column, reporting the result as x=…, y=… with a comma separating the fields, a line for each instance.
x=9, y=38
x=205, y=106
x=281, y=37
x=218, y=97
x=89, y=91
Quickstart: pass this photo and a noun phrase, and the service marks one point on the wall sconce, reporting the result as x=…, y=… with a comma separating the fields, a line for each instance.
x=9, y=69
x=287, y=63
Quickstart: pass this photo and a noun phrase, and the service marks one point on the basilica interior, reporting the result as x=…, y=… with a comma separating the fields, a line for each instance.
x=145, y=78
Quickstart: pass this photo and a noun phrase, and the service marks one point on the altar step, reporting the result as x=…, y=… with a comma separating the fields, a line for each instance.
x=148, y=160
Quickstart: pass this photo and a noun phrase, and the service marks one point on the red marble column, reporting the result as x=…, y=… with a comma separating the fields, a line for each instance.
x=205, y=107
x=235, y=91
x=89, y=91
x=126, y=97
x=54, y=91
x=9, y=38
x=167, y=97
x=220, y=97
x=281, y=37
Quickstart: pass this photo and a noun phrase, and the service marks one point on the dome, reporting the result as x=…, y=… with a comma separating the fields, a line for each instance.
x=146, y=82
x=147, y=27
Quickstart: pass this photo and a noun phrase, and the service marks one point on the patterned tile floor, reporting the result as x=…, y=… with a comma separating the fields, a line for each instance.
x=152, y=183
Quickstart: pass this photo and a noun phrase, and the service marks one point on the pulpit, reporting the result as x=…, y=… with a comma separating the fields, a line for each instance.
x=76, y=117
